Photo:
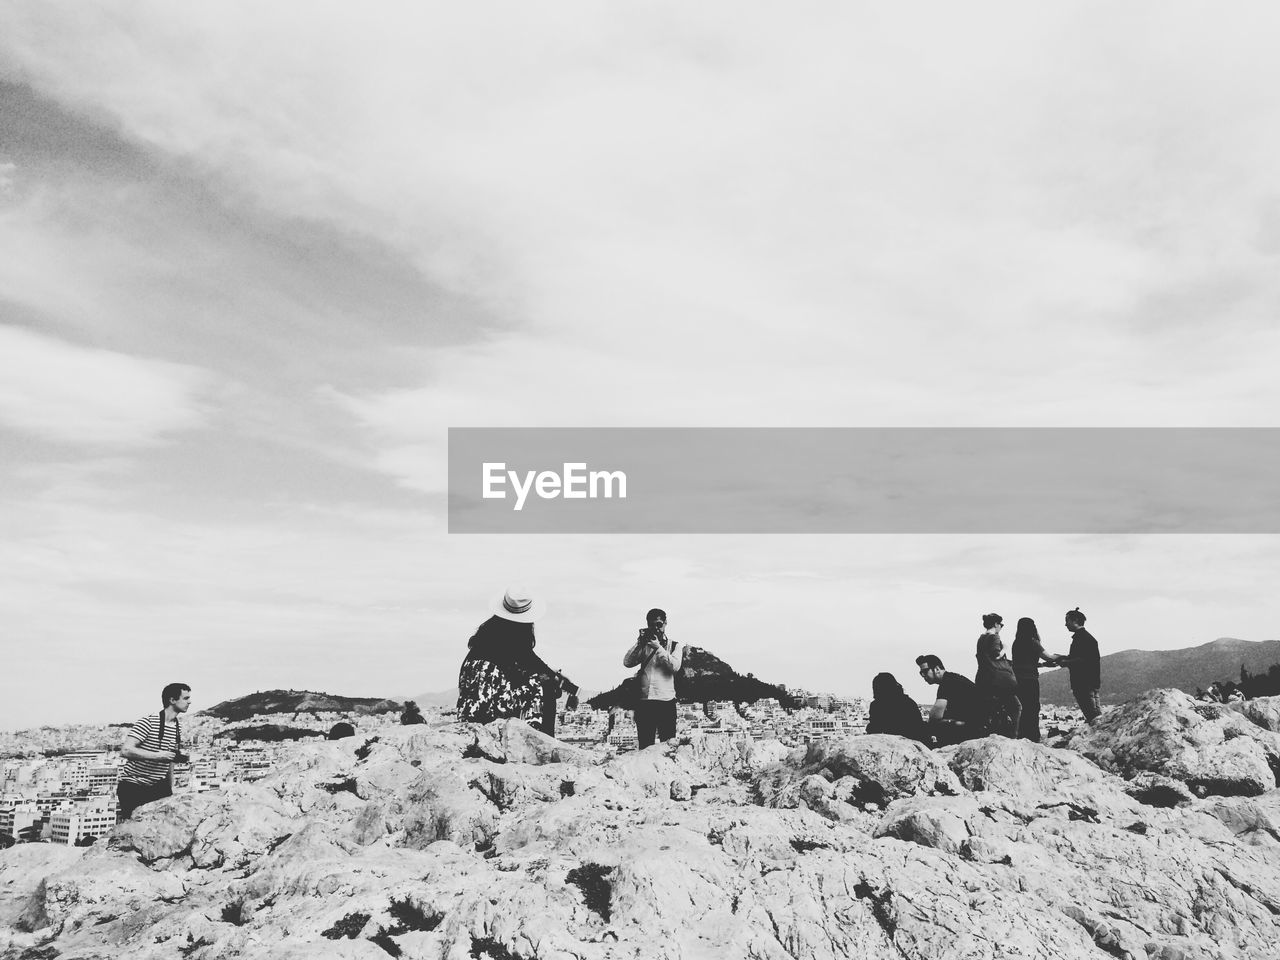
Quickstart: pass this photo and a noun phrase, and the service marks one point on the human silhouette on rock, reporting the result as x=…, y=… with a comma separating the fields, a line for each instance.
x=892, y=711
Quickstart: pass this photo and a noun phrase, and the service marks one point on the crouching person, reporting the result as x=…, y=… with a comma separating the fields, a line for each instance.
x=150, y=749
x=958, y=714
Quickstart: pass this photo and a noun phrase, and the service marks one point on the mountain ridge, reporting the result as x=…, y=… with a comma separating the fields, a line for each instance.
x=1129, y=673
x=297, y=701
x=703, y=677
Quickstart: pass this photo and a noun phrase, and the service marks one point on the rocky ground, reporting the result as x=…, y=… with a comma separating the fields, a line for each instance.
x=1154, y=835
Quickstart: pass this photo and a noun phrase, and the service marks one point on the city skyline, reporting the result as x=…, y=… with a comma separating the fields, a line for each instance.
x=255, y=263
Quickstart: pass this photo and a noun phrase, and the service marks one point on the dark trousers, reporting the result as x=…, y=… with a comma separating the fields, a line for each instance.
x=655, y=716
x=1087, y=698
x=1029, y=697
x=550, y=703
x=1005, y=715
x=133, y=795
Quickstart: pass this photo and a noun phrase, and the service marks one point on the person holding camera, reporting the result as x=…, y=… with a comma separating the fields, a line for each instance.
x=150, y=749
x=659, y=659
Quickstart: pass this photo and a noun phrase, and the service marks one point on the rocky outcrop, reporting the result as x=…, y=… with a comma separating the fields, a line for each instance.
x=456, y=841
x=1263, y=711
x=1210, y=747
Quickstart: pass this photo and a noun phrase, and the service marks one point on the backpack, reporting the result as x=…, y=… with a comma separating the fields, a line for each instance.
x=1003, y=679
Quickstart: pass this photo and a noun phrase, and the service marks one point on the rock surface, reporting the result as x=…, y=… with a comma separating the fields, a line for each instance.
x=456, y=841
x=1210, y=747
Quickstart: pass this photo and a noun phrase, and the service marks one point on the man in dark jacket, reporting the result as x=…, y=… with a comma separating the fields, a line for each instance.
x=1085, y=664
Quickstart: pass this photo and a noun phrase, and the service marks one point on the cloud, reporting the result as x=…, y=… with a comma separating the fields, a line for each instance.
x=843, y=194
x=658, y=214
x=709, y=216
x=64, y=393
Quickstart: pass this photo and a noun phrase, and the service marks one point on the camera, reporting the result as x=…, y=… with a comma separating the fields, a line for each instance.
x=181, y=758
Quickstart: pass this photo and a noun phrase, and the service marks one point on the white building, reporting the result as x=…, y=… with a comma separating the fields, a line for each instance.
x=17, y=814
x=94, y=817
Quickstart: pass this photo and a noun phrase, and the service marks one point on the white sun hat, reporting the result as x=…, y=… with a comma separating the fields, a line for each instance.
x=519, y=606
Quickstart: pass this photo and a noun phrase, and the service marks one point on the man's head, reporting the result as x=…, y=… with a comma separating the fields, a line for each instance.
x=931, y=668
x=992, y=621
x=656, y=618
x=176, y=695
x=1074, y=619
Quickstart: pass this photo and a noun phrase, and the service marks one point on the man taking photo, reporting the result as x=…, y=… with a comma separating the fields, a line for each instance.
x=659, y=659
x=151, y=748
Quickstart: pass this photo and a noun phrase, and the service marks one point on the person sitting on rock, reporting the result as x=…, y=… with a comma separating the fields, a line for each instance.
x=1223, y=691
x=341, y=730
x=995, y=680
x=411, y=714
x=892, y=711
x=958, y=713
x=501, y=676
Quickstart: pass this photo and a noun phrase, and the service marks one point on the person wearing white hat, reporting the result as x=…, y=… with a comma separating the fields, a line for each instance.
x=501, y=676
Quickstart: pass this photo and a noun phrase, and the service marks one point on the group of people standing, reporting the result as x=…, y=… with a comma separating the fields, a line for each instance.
x=1003, y=697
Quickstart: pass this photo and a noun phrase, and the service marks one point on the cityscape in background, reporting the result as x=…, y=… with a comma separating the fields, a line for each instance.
x=58, y=784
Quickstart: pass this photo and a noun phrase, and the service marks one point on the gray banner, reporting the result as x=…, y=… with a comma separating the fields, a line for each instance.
x=864, y=480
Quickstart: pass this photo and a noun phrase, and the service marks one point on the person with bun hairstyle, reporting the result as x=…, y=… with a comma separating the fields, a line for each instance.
x=995, y=679
x=501, y=676
x=1085, y=664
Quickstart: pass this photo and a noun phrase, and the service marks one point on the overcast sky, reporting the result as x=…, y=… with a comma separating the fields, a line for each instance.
x=256, y=259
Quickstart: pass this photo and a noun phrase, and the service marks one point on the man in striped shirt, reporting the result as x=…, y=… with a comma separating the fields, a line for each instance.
x=150, y=749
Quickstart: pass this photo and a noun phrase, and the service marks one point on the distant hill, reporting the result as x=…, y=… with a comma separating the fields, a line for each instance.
x=1129, y=673
x=440, y=698
x=703, y=677
x=297, y=701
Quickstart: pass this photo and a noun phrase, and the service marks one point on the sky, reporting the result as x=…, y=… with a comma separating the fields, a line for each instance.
x=255, y=261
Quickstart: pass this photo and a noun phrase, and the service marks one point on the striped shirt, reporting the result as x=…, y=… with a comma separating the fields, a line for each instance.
x=147, y=732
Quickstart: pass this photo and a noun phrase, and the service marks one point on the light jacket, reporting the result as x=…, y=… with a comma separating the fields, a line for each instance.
x=658, y=672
